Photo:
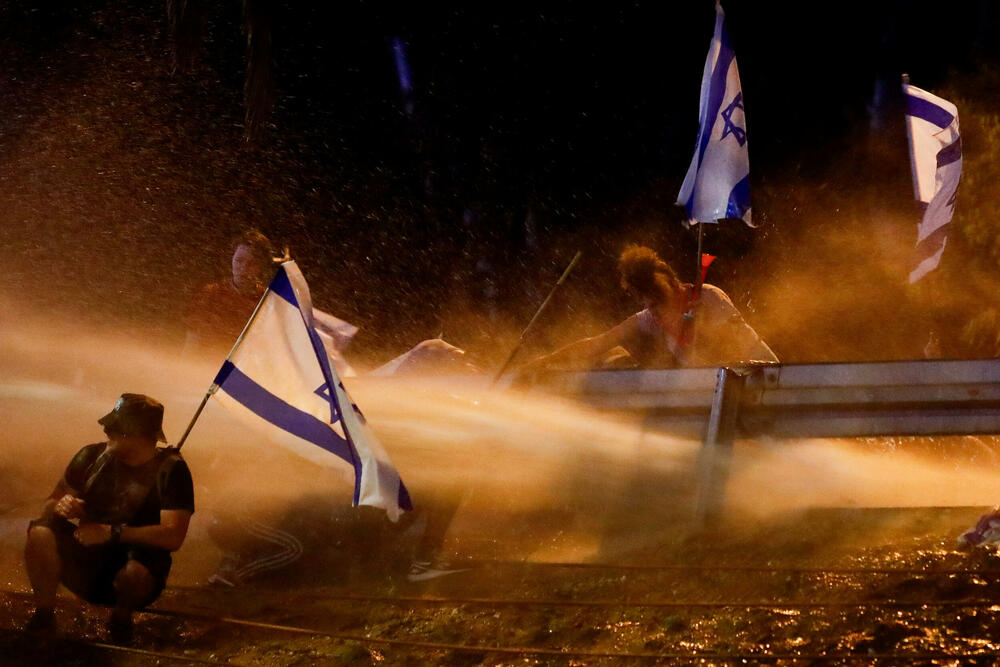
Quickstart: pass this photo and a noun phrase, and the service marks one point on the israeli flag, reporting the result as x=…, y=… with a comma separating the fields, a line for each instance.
x=280, y=378
x=717, y=184
x=336, y=334
x=936, y=161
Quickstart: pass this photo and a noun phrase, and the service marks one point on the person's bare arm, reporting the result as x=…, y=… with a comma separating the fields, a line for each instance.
x=584, y=351
x=169, y=534
x=68, y=506
x=64, y=502
x=749, y=346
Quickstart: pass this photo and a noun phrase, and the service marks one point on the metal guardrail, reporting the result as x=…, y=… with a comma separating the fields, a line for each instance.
x=928, y=397
x=720, y=405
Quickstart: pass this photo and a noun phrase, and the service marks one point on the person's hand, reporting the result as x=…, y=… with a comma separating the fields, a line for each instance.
x=89, y=534
x=69, y=507
x=932, y=350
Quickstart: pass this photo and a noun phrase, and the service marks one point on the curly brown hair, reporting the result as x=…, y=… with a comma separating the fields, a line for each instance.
x=643, y=272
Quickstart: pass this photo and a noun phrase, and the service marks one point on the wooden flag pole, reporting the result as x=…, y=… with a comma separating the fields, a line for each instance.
x=538, y=312
x=239, y=341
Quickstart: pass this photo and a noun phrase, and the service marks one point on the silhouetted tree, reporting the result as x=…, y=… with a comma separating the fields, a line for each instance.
x=186, y=21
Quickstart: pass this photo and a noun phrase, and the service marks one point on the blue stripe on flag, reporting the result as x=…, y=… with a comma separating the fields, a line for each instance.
x=269, y=407
x=349, y=449
x=220, y=377
x=717, y=90
x=739, y=199
x=932, y=113
x=336, y=410
x=403, y=498
x=949, y=154
x=932, y=243
x=281, y=286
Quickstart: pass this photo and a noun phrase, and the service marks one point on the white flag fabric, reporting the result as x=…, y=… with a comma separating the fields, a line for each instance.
x=281, y=380
x=936, y=161
x=717, y=184
x=336, y=334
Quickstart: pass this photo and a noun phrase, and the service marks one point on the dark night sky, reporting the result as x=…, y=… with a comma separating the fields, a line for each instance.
x=584, y=115
x=576, y=97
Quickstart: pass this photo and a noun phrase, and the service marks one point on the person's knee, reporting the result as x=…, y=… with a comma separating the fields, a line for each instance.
x=40, y=540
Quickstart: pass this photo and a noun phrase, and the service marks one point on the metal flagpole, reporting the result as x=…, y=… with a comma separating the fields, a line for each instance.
x=909, y=144
x=538, y=312
x=239, y=341
x=698, y=268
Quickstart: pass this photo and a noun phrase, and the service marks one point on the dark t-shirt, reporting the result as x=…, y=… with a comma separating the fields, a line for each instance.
x=114, y=492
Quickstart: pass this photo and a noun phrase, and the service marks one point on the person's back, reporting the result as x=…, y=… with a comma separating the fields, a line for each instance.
x=676, y=327
x=218, y=314
x=717, y=335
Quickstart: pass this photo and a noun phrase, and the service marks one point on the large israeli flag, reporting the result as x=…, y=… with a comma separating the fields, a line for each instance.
x=280, y=379
x=717, y=184
x=936, y=161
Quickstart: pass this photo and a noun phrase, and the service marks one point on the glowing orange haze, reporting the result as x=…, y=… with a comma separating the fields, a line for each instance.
x=536, y=476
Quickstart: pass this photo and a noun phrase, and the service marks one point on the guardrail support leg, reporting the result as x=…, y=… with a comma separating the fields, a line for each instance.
x=717, y=449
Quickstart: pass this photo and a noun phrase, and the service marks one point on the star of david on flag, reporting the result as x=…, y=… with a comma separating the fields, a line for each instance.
x=730, y=126
x=936, y=161
x=717, y=184
x=280, y=379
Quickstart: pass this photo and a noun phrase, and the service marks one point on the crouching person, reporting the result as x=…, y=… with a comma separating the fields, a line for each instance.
x=108, y=528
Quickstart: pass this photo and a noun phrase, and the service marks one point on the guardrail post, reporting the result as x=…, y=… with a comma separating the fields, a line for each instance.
x=717, y=448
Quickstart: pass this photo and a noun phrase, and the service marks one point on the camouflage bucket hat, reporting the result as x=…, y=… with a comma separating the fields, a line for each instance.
x=136, y=414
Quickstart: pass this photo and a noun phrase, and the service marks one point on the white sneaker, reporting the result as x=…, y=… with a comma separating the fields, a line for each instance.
x=222, y=579
x=422, y=570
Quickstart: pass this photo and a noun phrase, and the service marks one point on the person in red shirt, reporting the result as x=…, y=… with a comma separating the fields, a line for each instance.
x=217, y=316
x=220, y=310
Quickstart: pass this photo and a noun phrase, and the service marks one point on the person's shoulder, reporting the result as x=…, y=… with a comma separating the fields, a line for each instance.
x=90, y=452
x=173, y=466
x=712, y=295
x=85, y=457
x=170, y=457
x=644, y=320
x=209, y=297
x=708, y=289
x=204, y=295
x=174, y=482
x=214, y=289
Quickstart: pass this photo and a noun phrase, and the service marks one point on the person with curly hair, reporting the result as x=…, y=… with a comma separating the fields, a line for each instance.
x=680, y=325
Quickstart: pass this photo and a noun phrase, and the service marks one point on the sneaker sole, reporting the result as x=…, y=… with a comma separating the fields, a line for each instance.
x=433, y=574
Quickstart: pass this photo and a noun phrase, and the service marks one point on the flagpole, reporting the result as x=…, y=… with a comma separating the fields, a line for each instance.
x=698, y=268
x=239, y=341
x=538, y=312
x=909, y=144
